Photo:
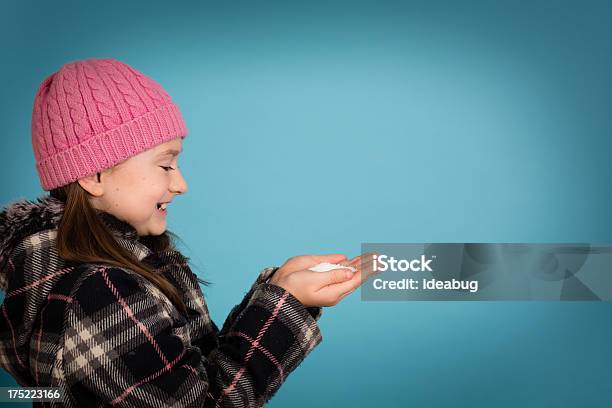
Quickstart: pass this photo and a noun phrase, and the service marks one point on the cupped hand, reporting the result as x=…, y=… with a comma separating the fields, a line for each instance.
x=322, y=288
x=298, y=263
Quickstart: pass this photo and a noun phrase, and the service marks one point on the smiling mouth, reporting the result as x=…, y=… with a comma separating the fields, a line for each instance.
x=162, y=206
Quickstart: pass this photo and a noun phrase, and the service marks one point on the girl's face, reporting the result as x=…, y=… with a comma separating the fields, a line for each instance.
x=138, y=189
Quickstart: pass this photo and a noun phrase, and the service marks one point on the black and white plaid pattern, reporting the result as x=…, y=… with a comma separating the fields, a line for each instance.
x=108, y=337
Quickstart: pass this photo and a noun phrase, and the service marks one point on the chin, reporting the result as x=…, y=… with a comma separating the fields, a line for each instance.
x=158, y=231
x=154, y=230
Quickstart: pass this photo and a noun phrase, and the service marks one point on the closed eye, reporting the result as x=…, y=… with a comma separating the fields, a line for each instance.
x=167, y=168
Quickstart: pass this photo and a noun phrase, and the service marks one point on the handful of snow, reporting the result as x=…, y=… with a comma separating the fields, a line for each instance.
x=326, y=266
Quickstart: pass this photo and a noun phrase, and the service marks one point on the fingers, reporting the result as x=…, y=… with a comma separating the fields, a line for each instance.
x=333, y=293
x=352, y=262
x=331, y=258
x=366, y=264
x=346, y=286
x=340, y=289
x=335, y=276
x=362, y=262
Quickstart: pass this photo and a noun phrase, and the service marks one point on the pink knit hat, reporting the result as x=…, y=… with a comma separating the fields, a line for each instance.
x=93, y=114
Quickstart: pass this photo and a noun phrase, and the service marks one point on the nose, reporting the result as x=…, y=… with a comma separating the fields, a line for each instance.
x=178, y=184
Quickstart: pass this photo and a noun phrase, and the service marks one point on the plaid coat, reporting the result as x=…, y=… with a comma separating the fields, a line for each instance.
x=107, y=337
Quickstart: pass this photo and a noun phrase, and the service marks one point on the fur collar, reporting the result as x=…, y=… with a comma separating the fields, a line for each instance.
x=24, y=218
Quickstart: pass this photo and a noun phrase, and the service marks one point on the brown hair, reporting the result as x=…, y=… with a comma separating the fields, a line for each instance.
x=82, y=236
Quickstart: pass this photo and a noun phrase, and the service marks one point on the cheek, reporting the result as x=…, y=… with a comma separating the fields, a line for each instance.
x=146, y=192
x=136, y=198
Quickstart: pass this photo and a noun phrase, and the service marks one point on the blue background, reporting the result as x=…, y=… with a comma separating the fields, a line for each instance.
x=315, y=127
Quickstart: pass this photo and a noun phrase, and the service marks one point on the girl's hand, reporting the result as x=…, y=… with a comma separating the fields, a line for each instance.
x=298, y=263
x=322, y=288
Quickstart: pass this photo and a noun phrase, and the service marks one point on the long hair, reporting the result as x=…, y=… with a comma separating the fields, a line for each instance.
x=83, y=237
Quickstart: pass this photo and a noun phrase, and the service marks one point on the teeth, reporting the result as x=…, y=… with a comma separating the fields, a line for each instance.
x=163, y=206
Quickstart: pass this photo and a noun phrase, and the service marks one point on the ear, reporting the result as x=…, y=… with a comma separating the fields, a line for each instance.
x=93, y=184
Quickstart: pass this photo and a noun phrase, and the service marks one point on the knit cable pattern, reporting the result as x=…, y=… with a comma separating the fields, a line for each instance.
x=92, y=114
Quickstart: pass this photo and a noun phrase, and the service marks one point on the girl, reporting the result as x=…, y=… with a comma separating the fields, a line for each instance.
x=98, y=302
